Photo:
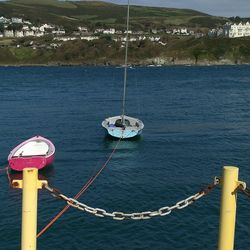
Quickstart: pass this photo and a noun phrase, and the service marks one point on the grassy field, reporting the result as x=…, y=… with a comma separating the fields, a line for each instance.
x=179, y=50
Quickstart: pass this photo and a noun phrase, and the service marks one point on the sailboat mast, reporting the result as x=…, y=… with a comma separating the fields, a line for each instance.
x=125, y=67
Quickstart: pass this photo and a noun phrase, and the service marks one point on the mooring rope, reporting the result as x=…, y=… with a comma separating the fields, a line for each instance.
x=6, y=169
x=83, y=189
x=8, y=175
x=3, y=169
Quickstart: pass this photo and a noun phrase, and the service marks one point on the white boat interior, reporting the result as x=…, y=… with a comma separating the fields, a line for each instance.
x=116, y=122
x=33, y=148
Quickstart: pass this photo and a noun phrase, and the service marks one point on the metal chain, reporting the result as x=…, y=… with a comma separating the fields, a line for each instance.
x=163, y=211
x=245, y=190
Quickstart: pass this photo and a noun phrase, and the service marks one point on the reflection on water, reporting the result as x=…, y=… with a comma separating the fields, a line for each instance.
x=126, y=149
x=132, y=143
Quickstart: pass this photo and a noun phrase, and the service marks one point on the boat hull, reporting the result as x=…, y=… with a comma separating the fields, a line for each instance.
x=132, y=129
x=19, y=162
x=124, y=134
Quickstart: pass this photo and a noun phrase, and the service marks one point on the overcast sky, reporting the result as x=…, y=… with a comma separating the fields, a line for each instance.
x=214, y=7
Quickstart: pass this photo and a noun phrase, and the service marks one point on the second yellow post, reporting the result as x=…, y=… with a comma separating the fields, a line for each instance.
x=228, y=208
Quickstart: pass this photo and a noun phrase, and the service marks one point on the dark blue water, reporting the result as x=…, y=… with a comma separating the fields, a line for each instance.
x=197, y=119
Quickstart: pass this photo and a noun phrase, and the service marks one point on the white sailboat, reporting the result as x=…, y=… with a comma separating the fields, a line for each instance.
x=123, y=126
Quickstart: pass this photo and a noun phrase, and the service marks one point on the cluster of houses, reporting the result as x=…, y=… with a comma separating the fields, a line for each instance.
x=26, y=28
x=120, y=36
x=231, y=30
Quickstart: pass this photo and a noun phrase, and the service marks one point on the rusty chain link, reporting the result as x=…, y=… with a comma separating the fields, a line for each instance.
x=245, y=190
x=163, y=211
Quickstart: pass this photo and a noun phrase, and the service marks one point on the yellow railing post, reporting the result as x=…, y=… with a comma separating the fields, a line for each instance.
x=30, y=185
x=228, y=208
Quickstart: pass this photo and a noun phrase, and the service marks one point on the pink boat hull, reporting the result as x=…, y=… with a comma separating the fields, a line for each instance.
x=18, y=163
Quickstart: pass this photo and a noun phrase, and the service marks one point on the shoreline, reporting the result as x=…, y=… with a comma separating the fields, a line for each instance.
x=121, y=66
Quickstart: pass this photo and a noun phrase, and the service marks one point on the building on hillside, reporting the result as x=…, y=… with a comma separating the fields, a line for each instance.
x=8, y=33
x=65, y=38
x=4, y=20
x=28, y=33
x=58, y=32
x=216, y=33
x=142, y=38
x=118, y=32
x=18, y=33
x=109, y=31
x=98, y=31
x=27, y=22
x=154, y=39
x=16, y=20
x=34, y=28
x=25, y=27
x=89, y=38
x=154, y=31
x=39, y=33
x=129, y=32
x=236, y=30
x=47, y=27
x=184, y=31
x=83, y=29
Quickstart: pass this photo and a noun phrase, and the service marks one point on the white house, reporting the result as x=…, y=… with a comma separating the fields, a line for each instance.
x=39, y=33
x=184, y=31
x=34, y=28
x=236, y=30
x=64, y=39
x=129, y=31
x=28, y=33
x=118, y=32
x=16, y=20
x=142, y=38
x=25, y=27
x=58, y=32
x=4, y=20
x=46, y=27
x=9, y=33
x=82, y=29
x=89, y=38
x=18, y=33
x=27, y=22
x=99, y=31
x=154, y=39
x=109, y=31
x=131, y=39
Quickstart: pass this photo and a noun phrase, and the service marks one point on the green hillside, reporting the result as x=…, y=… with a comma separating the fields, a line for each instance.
x=96, y=13
x=185, y=50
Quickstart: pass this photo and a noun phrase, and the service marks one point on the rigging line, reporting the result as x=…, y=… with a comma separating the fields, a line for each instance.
x=3, y=169
x=8, y=175
x=83, y=189
x=137, y=91
x=125, y=67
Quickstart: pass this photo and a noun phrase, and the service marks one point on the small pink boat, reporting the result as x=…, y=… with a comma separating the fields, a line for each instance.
x=36, y=152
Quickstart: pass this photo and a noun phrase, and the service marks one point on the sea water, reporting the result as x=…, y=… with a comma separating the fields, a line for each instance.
x=197, y=120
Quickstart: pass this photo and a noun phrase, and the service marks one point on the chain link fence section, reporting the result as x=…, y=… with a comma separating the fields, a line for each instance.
x=163, y=211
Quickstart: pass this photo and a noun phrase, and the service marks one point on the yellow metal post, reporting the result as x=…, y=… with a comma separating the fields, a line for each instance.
x=29, y=213
x=228, y=208
x=30, y=185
